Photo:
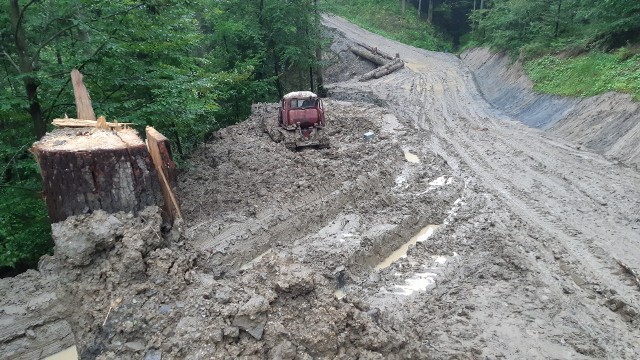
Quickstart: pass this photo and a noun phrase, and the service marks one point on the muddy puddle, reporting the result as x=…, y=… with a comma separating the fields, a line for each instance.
x=410, y=157
x=401, y=252
x=66, y=354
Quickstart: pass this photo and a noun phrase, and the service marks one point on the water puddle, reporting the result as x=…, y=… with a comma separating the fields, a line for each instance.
x=253, y=262
x=423, y=280
x=66, y=354
x=401, y=252
x=412, y=158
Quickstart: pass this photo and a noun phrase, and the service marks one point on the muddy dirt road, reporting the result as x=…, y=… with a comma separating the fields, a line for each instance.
x=524, y=263
x=569, y=215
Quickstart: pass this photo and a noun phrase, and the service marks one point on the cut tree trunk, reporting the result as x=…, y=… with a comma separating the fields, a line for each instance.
x=90, y=169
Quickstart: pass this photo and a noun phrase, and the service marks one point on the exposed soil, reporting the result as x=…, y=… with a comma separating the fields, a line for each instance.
x=279, y=249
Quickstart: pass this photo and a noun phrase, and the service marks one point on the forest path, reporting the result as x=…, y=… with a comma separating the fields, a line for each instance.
x=579, y=208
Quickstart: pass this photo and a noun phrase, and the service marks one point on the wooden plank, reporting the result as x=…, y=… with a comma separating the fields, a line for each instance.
x=83, y=101
x=69, y=122
x=158, y=146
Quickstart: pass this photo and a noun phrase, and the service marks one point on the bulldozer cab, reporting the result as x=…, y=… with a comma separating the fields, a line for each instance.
x=303, y=103
x=301, y=109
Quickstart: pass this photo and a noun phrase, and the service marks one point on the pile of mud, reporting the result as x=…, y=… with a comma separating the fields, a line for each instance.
x=132, y=293
x=608, y=124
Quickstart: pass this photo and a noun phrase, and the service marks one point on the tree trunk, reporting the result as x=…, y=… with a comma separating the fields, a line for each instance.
x=319, y=78
x=276, y=71
x=378, y=60
x=26, y=68
x=481, y=4
x=387, y=69
x=430, y=12
x=90, y=170
x=419, y=8
x=404, y=5
x=558, y=19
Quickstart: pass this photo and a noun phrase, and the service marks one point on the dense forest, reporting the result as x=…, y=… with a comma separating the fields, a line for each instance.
x=191, y=67
x=185, y=67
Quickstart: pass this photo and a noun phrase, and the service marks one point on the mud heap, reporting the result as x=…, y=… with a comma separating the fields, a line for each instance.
x=132, y=292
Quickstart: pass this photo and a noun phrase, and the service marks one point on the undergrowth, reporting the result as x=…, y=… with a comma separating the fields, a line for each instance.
x=385, y=18
x=587, y=75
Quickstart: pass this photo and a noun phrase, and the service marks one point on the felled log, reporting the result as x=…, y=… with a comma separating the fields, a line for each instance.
x=376, y=51
x=90, y=169
x=378, y=60
x=383, y=70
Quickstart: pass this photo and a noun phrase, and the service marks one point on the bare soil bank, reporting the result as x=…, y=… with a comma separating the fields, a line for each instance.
x=608, y=124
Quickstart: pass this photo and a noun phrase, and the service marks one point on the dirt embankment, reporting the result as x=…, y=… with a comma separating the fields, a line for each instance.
x=608, y=124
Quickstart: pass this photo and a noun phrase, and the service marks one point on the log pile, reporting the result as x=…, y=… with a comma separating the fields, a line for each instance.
x=386, y=63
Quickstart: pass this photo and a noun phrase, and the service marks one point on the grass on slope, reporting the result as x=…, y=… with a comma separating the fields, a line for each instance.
x=587, y=75
x=385, y=18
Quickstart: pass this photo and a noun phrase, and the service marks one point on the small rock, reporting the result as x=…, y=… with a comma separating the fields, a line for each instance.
x=134, y=346
x=165, y=309
x=30, y=333
x=232, y=332
x=285, y=350
x=217, y=335
x=153, y=354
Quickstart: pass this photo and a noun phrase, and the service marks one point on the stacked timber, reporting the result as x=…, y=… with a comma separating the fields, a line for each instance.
x=386, y=63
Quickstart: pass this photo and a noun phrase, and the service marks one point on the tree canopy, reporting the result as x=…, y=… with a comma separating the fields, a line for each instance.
x=185, y=67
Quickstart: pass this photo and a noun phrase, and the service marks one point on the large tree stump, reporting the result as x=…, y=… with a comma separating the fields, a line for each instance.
x=89, y=169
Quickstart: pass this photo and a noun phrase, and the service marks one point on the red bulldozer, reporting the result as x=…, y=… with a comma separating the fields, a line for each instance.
x=301, y=121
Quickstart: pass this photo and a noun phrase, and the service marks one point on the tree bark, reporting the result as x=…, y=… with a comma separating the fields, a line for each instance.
x=90, y=170
x=25, y=68
x=378, y=60
x=419, y=8
x=387, y=69
x=430, y=12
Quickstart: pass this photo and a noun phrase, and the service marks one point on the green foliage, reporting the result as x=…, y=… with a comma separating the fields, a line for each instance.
x=533, y=27
x=586, y=75
x=385, y=18
x=24, y=225
x=184, y=67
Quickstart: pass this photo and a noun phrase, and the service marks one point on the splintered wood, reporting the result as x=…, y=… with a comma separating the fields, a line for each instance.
x=83, y=101
x=100, y=123
x=160, y=151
